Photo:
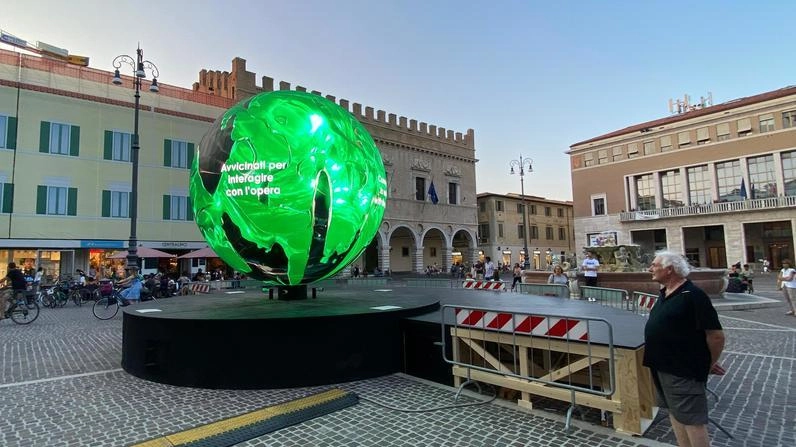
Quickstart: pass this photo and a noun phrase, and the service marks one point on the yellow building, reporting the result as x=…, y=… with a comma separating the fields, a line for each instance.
x=65, y=164
x=501, y=230
x=714, y=182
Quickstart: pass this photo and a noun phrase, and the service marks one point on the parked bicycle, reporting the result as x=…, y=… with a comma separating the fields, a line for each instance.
x=21, y=310
x=108, y=305
x=55, y=296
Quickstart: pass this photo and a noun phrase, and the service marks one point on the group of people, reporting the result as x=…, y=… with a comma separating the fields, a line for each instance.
x=740, y=280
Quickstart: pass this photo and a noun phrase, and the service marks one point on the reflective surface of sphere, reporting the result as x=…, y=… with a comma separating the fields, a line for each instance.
x=288, y=187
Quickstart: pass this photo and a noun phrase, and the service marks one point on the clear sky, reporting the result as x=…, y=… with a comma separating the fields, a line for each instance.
x=531, y=77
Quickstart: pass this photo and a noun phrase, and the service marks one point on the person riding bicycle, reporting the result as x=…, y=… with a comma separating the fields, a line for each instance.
x=133, y=284
x=18, y=284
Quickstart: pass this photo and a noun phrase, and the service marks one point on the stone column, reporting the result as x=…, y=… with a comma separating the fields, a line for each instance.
x=780, y=180
x=733, y=240
x=384, y=258
x=472, y=255
x=417, y=260
x=675, y=239
x=686, y=191
x=447, y=258
x=656, y=180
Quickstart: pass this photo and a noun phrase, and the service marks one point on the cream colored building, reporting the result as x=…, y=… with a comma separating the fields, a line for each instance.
x=65, y=176
x=501, y=230
x=716, y=183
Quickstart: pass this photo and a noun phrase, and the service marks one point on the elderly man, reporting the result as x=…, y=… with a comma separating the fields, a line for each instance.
x=684, y=340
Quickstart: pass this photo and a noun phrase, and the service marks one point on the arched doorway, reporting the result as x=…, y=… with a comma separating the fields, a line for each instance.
x=435, y=251
x=462, y=248
x=402, y=248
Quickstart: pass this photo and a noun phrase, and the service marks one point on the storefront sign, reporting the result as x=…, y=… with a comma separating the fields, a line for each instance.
x=101, y=244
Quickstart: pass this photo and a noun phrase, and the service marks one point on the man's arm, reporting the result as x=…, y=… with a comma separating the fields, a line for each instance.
x=715, y=341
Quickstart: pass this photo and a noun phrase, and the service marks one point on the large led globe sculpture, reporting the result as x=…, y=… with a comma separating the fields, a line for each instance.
x=288, y=187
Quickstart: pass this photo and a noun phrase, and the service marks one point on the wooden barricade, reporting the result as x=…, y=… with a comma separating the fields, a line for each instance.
x=558, y=357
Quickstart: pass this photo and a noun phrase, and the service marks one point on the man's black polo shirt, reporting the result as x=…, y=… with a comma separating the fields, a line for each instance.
x=675, y=333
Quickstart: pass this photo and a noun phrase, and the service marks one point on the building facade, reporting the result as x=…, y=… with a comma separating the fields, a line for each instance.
x=549, y=225
x=716, y=183
x=65, y=171
x=417, y=230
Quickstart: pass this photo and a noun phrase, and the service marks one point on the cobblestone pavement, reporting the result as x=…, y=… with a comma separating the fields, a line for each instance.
x=61, y=385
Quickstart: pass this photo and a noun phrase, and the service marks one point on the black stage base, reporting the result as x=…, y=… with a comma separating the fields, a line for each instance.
x=246, y=341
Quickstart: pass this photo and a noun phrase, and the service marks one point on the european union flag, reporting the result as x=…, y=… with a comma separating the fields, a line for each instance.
x=432, y=193
x=743, y=189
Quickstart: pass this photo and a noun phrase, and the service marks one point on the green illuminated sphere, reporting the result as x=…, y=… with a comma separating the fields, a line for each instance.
x=288, y=187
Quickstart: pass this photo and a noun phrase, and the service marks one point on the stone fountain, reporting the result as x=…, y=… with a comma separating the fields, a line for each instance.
x=625, y=267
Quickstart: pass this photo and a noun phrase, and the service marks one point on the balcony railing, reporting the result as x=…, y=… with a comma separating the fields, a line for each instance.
x=769, y=203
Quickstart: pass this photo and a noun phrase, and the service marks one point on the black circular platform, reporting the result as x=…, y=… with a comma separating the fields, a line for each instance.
x=246, y=341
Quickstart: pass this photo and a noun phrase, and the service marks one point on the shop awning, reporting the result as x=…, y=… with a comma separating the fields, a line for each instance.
x=143, y=252
x=206, y=252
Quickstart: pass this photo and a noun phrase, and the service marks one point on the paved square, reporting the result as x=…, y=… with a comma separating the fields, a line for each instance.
x=61, y=385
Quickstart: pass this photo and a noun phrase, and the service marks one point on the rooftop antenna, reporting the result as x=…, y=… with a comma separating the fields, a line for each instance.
x=679, y=106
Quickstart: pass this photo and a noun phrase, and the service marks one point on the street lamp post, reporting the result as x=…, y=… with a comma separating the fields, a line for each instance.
x=140, y=67
x=523, y=164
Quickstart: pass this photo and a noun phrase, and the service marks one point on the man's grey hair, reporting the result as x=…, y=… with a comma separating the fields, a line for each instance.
x=678, y=263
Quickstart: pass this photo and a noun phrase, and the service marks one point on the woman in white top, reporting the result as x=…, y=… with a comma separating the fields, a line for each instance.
x=558, y=276
x=788, y=277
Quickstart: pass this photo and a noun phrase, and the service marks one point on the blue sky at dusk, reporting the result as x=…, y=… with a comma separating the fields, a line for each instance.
x=530, y=77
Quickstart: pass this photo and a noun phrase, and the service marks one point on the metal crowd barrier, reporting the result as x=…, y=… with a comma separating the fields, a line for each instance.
x=616, y=298
x=367, y=281
x=433, y=283
x=558, y=290
x=559, y=357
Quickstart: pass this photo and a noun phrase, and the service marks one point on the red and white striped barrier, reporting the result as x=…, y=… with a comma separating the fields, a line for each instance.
x=480, y=284
x=646, y=302
x=568, y=328
x=200, y=287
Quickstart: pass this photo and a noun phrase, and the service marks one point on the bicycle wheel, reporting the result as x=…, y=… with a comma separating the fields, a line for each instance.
x=76, y=298
x=60, y=298
x=22, y=314
x=105, y=308
x=47, y=300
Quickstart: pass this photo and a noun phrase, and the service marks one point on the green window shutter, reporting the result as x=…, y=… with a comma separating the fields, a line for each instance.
x=106, y=203
x=166, y=207
x=41, y=199
x=74, y=141
x=71, y=202
x=11, y=133
x=167, y=152
x=191, y=147
x=108, y=153
x=189, y=213
x=44, y=137
x=8, y=198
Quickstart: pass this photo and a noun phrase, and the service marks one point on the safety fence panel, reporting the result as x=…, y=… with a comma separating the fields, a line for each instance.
x=558, y=290
x=483, y=284
x=616, y=298
x=643, y=302
x=560, y=357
